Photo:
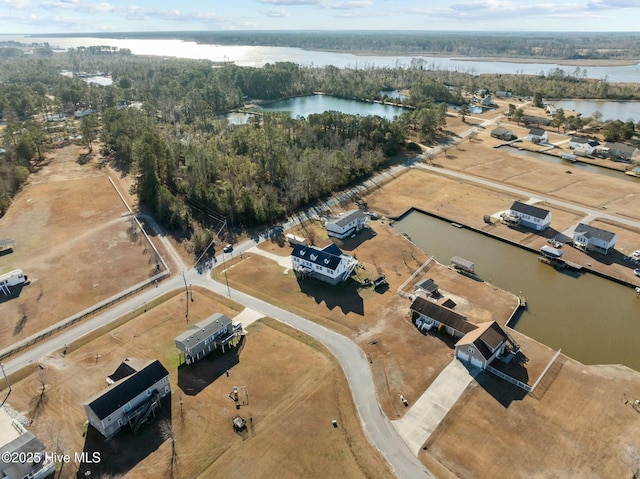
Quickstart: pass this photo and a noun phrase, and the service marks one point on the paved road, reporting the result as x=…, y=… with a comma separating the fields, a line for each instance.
x=533, y=194
x=377, y=426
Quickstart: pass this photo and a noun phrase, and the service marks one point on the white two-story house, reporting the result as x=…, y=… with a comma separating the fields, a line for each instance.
x=132, y=398
x=330, y=264
x=347, y=224
x=531, y=216
x=590, y=238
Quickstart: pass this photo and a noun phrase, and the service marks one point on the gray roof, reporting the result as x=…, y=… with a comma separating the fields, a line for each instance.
x=25, y=443
x=530, y=210
x=347, y=218
x=442, y=315
x=204, y=329
x=536, y=131
x=119, y=394
x=326, y=257
x=585, y=141
x=621, y=148
x=592, y=232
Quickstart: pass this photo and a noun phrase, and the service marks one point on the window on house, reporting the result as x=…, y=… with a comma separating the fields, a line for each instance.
x=127, y=408
x=471, y=350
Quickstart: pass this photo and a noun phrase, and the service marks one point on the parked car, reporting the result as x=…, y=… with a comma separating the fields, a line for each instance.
x=228, y=248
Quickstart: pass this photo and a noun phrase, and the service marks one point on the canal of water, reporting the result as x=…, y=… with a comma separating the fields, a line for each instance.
x=593, y=320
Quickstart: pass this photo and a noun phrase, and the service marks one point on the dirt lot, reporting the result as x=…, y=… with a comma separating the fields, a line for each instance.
x=73, y=243
x=576, y=424
x=378, y=321
x=295, y=388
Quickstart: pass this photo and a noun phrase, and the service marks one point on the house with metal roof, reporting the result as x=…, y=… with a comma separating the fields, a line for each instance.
x=131, y=400
x=217, y=331
x=347, y=224
x=16, y=441
x=590, y=238
x=482, y=345
x=329, y=264
x=531, y=216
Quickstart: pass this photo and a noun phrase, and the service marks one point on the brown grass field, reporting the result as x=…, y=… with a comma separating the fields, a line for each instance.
x=378, y=321
x=295, y=389
x=73, y=243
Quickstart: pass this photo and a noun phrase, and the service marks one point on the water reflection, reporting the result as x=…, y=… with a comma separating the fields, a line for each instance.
x=589, y=317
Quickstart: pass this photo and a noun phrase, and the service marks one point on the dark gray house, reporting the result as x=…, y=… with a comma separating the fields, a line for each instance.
x=206, y=336
x=132, y=399
x=502, y=133
x=619, y=151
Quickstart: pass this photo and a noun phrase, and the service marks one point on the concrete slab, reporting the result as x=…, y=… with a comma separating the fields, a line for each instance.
x=247, y=316
x=434, y=404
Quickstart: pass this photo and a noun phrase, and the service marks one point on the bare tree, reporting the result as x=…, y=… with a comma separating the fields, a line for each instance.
x=167, y=432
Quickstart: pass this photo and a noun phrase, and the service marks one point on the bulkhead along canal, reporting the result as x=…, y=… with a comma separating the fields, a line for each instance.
x=592, y=319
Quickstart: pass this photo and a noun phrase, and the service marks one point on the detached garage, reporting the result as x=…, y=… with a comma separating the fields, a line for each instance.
x=482, y=345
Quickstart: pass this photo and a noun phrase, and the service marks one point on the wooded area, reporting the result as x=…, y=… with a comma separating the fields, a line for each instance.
x=161, y=121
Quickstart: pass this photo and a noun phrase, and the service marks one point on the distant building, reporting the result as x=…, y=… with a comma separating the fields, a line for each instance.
x=586, y=145
x=330, y=264
x=531, y=216
x=82, y=113
x=55, y=118
x=347, y=224
x=502, y=133
x=590, y=238
x=503, y=94
x=551, y=110
x=133, y=398
x=18, y=441
x=536, y=120
x=217, y=331
x=537, y=135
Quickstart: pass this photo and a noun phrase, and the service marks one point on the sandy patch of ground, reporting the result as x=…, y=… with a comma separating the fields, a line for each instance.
x=76, y=247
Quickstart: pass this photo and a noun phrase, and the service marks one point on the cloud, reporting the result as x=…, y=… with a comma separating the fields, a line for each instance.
x=16, y=4
x=327, y=4
x=276, y=13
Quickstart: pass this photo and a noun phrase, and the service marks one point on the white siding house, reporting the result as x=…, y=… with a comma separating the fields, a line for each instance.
x=330, y=264
x=131, y=400
x=590, y=238
x=482, y=345
x=537, y=135
x=531, y=216
x=347, y=224
x=588, y=145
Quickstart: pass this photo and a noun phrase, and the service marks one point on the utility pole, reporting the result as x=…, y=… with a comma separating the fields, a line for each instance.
x=186, y=288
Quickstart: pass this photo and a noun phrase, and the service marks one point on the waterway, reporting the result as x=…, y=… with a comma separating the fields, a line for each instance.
x=611, y=110
x=578, y=165
x=307, y=105
x=258, y=56
x=592, y=319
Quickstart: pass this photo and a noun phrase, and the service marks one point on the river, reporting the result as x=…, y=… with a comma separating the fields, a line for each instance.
x=258, y=56
x=592, y=319
x=611, y=110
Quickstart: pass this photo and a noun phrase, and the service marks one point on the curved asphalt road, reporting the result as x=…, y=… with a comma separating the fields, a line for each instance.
x=379, y=429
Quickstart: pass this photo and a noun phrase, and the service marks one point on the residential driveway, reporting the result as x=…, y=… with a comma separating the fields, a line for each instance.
x=284, y=261
x=434, y=404
x=247, y=316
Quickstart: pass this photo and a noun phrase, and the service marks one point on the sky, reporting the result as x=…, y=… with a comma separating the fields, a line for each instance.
x=78, y=16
